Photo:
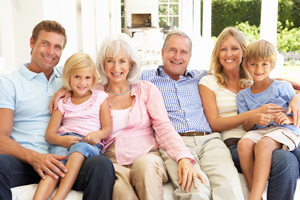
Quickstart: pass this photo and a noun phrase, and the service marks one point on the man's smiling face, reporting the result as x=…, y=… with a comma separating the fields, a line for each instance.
x=176, y=56
x=46, y=51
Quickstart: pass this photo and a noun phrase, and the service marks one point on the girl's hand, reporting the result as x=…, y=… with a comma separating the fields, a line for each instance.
x=270, y=108
x=92, y=138
x=281, y=119
x=261, y=119
x=68, y=140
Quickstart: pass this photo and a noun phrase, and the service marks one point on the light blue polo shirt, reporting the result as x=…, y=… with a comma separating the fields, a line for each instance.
x=29, y=95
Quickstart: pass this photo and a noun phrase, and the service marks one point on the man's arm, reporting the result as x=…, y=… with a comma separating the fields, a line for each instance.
x=40, y=162
x=294, y=107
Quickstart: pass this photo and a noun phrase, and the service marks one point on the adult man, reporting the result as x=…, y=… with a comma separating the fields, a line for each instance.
x=24, y=108
x=179, y=88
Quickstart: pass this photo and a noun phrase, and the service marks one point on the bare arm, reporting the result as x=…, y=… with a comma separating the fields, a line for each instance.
x=57, y=95
x=219, y=124
x=53, y=126
x=295, y=85
x=294, y=107
x=106, y=127
x=40, y=162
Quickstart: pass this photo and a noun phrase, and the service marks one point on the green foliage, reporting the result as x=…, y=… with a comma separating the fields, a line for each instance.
x=289, y=10
x=231, y=12
x=252, y=33
x=288, y=40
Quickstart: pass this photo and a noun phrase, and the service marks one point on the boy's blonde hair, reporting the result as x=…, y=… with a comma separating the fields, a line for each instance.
x=260, y=50
x=216, y=67
x=76, y=63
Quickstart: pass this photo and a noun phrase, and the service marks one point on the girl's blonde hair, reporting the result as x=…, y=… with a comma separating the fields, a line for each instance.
x=76, y=63
x=216, y=67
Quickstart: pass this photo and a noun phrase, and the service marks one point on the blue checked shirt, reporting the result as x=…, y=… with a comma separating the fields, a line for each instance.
x=182, y=99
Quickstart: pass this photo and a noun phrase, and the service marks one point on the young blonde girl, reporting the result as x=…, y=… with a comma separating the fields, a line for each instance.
x=85, y=120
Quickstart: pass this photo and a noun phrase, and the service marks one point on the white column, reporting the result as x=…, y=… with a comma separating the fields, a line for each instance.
x=197, y=17
x=268, y=30
x=89, y=27
x=115, y=14
x=187, y=16
x=102, y=21
x=268, y=24
x=207, y=18
x=64, y=12
x=6, y=36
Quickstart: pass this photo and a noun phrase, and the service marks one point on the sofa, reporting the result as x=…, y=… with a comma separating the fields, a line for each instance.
x=27, y=192
x=150, y=59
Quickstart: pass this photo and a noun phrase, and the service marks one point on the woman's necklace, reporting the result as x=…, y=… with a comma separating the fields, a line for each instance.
x=117, y=94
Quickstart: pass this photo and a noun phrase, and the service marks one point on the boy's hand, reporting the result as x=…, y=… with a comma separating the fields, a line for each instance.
x=282, y=119
x=68, y=140
x=270, y=108
x=261, y=119
x=92, y=138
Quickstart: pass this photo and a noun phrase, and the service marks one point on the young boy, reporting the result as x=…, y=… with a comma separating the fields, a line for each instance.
x=269, y=132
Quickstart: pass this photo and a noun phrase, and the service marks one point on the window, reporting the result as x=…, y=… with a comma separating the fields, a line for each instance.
x=168, y=13
x=122, y=14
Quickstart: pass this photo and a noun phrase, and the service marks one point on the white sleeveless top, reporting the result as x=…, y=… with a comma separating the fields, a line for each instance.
x=120, y=120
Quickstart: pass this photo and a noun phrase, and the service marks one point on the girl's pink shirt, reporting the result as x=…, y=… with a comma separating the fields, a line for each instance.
x=83, y=118
x=148, y=112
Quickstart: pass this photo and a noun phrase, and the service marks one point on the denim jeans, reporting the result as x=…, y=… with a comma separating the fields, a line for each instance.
x=284, y=173
x=84, y=148
x=96, y=177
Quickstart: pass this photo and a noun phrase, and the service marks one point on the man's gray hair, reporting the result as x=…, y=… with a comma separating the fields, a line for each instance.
x=179, y=33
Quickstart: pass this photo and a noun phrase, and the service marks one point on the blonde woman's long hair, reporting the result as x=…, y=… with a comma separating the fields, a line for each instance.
x=216, y=67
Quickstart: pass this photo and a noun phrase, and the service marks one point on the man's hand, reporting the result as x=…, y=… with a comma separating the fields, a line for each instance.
x=294, y=107
x=92, y=138
x=57, y=95
x=186, y=174
x=48, y=164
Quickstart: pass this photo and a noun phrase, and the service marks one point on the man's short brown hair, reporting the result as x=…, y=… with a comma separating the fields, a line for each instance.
x=49, y=26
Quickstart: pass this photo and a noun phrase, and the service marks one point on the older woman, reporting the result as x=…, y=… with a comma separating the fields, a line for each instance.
x=218, y=94
x=140, y=125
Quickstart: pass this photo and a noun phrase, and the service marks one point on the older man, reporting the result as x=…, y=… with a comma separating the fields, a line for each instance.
x=179, y=88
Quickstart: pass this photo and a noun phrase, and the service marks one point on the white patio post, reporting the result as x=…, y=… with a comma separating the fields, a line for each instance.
x=197, y=17
x=207, y=18
x=187, y=16
x=268, y=30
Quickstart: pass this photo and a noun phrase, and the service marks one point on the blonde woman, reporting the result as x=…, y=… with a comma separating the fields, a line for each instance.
x=218, y=93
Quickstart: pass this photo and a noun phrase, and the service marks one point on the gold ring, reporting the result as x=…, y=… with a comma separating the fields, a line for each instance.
x=194, y=174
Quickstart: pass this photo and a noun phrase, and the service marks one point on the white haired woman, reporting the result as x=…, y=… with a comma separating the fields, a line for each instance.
x=138, y=111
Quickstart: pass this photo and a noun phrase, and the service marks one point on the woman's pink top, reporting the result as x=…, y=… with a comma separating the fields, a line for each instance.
x=83, y=118
x=148, y=112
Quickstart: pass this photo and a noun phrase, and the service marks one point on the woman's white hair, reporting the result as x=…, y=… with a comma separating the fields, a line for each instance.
x=110, y=48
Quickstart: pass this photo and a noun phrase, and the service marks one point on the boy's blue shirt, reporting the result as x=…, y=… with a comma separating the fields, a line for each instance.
x=279, y=93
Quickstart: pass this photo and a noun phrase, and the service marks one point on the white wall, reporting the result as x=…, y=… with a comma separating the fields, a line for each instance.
x=18, y=18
